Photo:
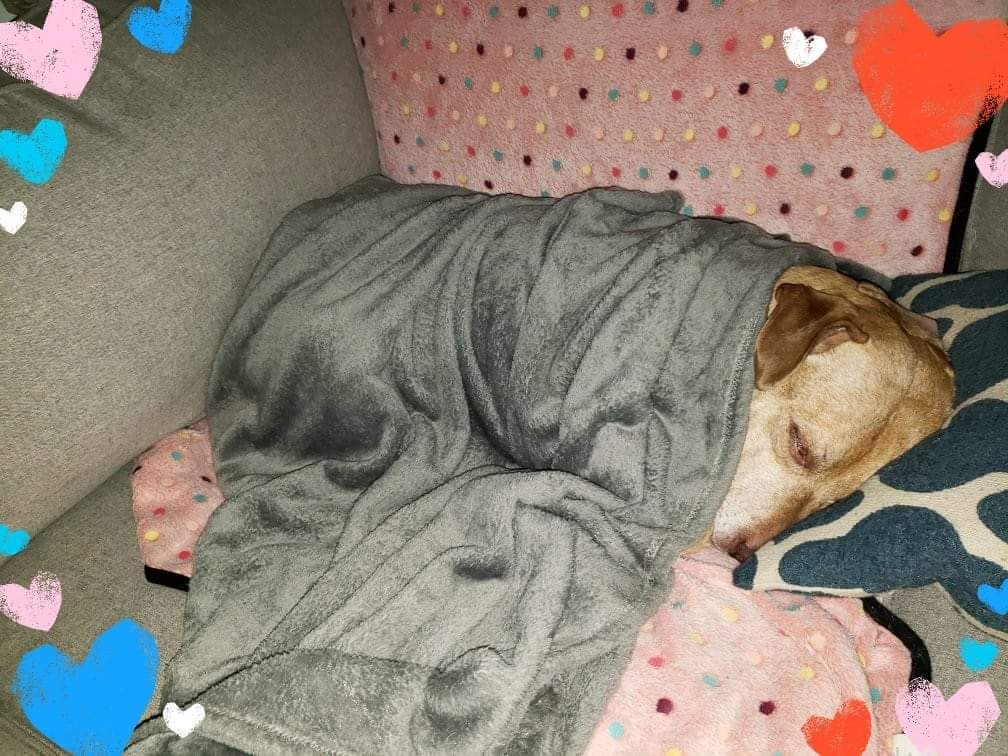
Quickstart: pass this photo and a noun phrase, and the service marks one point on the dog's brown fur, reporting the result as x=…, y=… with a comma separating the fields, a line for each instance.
x=846, y=380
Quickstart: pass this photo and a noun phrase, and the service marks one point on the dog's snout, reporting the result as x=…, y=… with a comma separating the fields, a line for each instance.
x=736, y=547
x=740, y=552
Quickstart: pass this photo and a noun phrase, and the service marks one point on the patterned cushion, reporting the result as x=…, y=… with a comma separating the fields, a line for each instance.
x=939, y=513
x=553, y=98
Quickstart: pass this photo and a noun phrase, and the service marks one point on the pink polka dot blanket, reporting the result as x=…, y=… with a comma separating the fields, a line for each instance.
x=174, y=494
x=702, y=97
x=715, y=664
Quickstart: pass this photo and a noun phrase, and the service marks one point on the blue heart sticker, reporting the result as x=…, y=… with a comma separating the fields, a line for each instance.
x=163, y=30
x=36, y=156
x=12, y=541
x=977, y=656
x=995, y=598
x=92, y=707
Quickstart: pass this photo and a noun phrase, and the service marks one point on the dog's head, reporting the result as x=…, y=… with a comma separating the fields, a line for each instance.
x=846, y=381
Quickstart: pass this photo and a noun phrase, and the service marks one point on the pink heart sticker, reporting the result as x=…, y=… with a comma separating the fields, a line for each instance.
x=994, y=168
x=61, y=56
x=35, y=606
x=957, y=727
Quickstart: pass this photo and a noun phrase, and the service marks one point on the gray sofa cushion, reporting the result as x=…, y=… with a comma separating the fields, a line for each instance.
x=114, y=293
x=92, y=549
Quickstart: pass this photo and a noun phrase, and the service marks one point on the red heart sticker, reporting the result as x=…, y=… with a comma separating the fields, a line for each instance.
x=846, y=734
x=931, y=90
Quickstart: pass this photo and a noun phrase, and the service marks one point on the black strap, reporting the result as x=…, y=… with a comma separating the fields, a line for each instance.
x=920, y=659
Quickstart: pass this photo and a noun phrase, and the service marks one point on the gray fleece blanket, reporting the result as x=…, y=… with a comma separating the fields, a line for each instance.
x=462, y=439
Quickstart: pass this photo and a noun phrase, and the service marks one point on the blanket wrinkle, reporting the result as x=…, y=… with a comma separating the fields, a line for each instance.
x=461, y=439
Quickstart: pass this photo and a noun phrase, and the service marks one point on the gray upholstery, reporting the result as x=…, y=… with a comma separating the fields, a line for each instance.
x=93, y=550
x=985, y=245
x=928, y=611
x=116, y=290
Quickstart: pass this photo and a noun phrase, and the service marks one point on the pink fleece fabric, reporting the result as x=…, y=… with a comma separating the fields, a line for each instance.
x=717, y=670
x=174, y=493
x=697, y=96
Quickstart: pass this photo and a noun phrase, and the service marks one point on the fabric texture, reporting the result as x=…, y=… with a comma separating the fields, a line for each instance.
x=118, y=287
x=174, y=494
x=714, y=664
x=92, y=550
x=928, y=611
x=694, y=96
x=939, y=513
x=461, y=440
x=717, y=670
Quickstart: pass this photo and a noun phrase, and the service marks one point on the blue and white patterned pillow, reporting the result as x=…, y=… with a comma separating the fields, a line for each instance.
x=939, y=513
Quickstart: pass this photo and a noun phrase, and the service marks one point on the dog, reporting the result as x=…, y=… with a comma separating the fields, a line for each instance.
x=846, y=380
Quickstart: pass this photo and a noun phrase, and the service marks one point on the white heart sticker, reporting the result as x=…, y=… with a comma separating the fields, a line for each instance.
x=182, y=723
x=801, y=50
x=12, y=220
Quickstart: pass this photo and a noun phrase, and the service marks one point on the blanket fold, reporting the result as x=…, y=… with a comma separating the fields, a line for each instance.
x=461, y=438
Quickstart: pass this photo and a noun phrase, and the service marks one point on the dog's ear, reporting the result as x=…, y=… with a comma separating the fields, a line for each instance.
x=804, y=321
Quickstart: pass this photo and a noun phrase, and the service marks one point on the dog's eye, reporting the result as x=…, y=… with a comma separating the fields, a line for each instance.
x=801, y=451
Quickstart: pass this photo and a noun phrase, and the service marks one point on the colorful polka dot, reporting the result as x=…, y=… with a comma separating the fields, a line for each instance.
x=613, y=94
x=160, y=512
x=704, y=171
x=644, y=95
x=598, y=54
x=877, y=130
x=806, y=169
x=767, y=708
x=876, y=695
x=649, y=8
x=453, y=47
x=846, y=172
x=643, y=172
x=793, y=128
x=821, y=210
x=806, y=673
x=439, y=10
x=482, y=121
x=695, y=637
x=850, y=37
x=689, y=135
x=917, y=251
x=735, y=172
x=656, y=661
x=584, y=11
x=199, y=497
x=729, y=614
x=537, y=53
x=834, y=129
x=688, y=211
x=586, y=169
x=553, y=11
x=931, y=175
x=557, y=165
x=694, y=49
x=498, y=155
x=664, y=706
x=903, y=214
x=673, y=752
x=184, y=555
x=888, y=174
x=177, y=455
x=821, y=84
x=780, y=85
x=151, y=536
x=944, y=215
x=785, y=208
x=766, y=41
x=756, y=129
x=662, y=52
x=861, y=212
x=770, y=171
x=749, y=209
x=616, y=730
x=710, y=681
x=709, y=91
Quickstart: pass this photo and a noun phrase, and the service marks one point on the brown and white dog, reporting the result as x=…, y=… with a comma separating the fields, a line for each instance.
x=846, y=381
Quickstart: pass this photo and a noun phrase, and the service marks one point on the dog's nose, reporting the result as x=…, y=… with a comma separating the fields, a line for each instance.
x=736, y=547
x=740, y=551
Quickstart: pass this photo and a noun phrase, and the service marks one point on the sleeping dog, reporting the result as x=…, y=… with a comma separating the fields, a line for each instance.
x=845, y=381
